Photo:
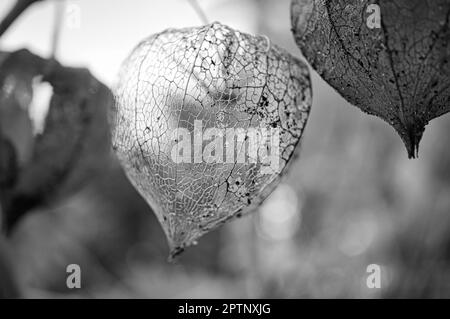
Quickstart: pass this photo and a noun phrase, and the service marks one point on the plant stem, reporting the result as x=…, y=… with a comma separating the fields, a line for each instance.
x=201, y=14
x=57, y=24
x=14, y=13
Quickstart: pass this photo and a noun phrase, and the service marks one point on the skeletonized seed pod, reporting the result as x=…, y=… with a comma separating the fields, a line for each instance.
x=390, y=58
x=206, y=121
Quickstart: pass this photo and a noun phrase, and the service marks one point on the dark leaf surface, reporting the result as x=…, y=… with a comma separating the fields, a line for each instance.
x=399, y=71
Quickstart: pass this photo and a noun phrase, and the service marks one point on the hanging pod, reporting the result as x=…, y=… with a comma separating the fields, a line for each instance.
x=206, y=121
x=390, y=58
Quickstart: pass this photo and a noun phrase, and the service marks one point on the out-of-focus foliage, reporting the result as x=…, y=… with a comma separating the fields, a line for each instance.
x=390, y=58
x=8, y=287
x=75, y=138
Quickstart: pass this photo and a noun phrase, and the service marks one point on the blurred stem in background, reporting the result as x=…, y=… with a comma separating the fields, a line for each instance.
x=19, y=7
x=59, y=16
x=200, y=12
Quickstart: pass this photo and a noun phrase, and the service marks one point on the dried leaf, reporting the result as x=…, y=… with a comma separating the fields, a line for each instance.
x=389, y=58
x=15, y=97
x=179, y=92
x=74, y=143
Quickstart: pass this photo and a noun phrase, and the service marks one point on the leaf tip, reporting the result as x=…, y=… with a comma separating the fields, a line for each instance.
x=174, y=253
x=411, y=136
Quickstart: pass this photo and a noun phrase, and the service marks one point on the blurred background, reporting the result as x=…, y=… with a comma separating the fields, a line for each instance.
x=351, y=200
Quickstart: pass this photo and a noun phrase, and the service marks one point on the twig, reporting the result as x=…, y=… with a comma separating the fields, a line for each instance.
x=14, y=13
x=201, y=14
